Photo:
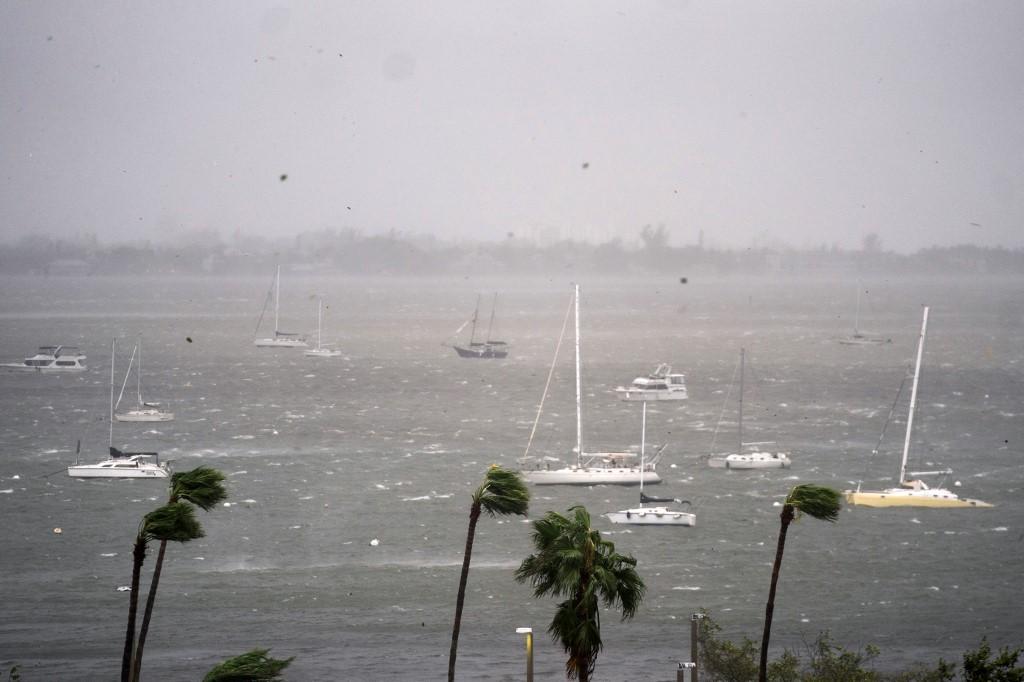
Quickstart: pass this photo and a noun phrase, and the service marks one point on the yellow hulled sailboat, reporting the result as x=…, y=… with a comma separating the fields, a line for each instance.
x=911, y=490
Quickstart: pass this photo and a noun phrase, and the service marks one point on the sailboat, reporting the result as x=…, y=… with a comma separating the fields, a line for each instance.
x=912, y=492
x=748, y=460
x=144, y=411
x=119, y=464
x=321, y=351
x=858, y=338
x=651, y=516
x=280, y=339
x=488, y=348
x=590, y=468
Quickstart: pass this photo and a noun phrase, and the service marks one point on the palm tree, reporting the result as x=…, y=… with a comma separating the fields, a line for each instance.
x=254, y=666
x=574, y=561
x=176, y=522
x=202, y=487
x=502, y=493
x=815, y=501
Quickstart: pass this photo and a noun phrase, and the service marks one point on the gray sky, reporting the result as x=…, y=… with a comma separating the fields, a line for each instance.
x=801, y=122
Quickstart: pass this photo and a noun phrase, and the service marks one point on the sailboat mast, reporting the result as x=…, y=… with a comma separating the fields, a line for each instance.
x=913, y=398
x=856, y=315
x=740, y=430
x=319, y=318
x=277, y=297
x=643, y=444
x=579, y=393
x=476, y=311
x=138, y=377
x=490, y=325
x=113, y=345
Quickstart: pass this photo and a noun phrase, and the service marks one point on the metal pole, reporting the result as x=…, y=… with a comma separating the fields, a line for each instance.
x=529, y=651
x=694, y=625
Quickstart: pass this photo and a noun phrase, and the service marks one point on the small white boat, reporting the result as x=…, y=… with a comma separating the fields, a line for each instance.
x=591, y=468
x=50, y=359
x=651, y=516
x=661, y=384
x=144, y=411
x=123, y=465
x=742, y=459
x=912, y=492
x=858, y=337
x=119, y=464
x=321, y=351
x=280, y=339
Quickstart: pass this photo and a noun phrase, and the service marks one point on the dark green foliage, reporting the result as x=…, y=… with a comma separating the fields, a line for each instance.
x=502, y=493
x=1003, y=668
x=175, y=522
x=202, y=486
x=573, y=560
x=816, y=501
x=254, y=666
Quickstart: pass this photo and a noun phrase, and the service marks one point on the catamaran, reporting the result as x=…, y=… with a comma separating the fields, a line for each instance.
x=651, y=516
x=119, y=464
x=280, y=339
x=590, y=468
x=321, y=351
x=911, y=490
x=50, y=359
x=755, y=459
x=661, y=384
x=488, y=348
x=144, y=411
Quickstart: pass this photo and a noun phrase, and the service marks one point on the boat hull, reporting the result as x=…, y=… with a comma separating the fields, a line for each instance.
x=280, y=343
x=594, y=476
x=483, y=352
x=641, y=395
x=18, y=367
x=755, y=461
x=652, y=516
x=898, y=497
x=147, y=416
x=322, y=353
x=92, y=471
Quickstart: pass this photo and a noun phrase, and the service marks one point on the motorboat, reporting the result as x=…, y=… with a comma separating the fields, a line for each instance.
x=280, y=339
x=50, y=359
x=910, y=490
x=661, y=384
x=590, y=468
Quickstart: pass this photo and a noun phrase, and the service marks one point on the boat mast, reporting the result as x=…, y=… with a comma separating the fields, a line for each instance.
x=643, y=443
x=490, y=325
x=113, y=345
x=277, y=297
x=138, y=377
x=319, y=318
x=476, y=311
x=913, y=398
x=579, y=405
x=742, y=360
x=856, y=315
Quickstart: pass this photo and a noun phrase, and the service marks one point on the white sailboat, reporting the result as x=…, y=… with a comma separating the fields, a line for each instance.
x=755, y=459
x=280, y=339
x=912, y=492
x=321, y=351
x=590, y=468
x=144, y=411
x=651, y=516
x=119, y=464
x=858, y=338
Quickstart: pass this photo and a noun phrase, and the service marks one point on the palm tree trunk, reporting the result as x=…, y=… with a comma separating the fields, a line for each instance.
x=474, y=516
x=138, y=557
x=786, y=518
x=148, y=613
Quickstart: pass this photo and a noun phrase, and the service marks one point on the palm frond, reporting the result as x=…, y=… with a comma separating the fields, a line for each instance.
x=254, y=666
x=503, y=493
x=817, y=501
x=202, y=486
x=174, y=522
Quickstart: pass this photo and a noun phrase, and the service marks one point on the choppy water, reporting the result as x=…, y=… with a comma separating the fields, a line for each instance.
x=388, y=441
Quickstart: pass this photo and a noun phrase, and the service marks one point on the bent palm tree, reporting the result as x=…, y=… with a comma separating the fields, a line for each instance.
x=202, y=487
x=815, y=501
x=172, y=522
x=501, y=494
x=254, y=666
x=572, y=560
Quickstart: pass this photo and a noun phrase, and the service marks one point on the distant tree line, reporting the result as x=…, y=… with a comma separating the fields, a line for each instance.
x=351, y=252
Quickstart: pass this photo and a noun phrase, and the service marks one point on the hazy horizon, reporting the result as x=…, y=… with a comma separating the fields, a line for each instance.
x=759, y=124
